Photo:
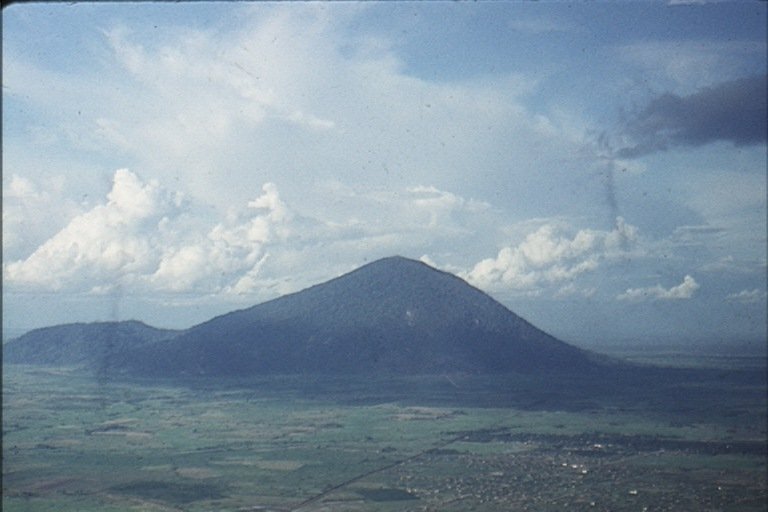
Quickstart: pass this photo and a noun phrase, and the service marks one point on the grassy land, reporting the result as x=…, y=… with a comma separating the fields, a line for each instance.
x=447, y=443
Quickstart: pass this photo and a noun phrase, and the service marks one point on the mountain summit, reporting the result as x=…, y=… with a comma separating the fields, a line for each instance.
x=394, y=315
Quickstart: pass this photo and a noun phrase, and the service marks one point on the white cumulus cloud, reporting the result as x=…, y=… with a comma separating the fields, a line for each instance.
x=108, y=240
x=684, y=290
x=747, y=296
x=143, y=238
x=230, y=255
x=548, y=256
x=442, y=206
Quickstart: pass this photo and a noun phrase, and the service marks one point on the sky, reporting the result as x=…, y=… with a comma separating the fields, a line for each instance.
x=600, y=169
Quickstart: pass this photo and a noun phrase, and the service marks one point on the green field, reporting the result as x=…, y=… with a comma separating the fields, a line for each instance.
x=443, y=443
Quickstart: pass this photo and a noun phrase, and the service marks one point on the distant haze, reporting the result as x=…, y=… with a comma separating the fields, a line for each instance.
x=600, y=169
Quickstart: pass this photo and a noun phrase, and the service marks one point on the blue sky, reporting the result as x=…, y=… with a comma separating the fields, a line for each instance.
x=598, y=168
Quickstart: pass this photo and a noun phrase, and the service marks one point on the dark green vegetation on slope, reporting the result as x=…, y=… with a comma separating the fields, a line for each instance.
x=90, y=345
x=394, y=316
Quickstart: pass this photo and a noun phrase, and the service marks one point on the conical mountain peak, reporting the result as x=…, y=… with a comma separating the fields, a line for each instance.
x=395, y=315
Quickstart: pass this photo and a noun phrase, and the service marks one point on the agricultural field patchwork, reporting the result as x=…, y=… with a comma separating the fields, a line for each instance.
x=75, y=443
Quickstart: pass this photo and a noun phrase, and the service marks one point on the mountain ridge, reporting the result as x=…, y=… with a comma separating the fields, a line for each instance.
x=393, y=315
x=80, y=343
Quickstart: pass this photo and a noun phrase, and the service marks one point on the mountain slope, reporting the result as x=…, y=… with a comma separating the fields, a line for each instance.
x=391, y=316
x=91, y=344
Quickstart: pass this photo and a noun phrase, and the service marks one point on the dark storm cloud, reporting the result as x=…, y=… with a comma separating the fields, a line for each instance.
x=732, y=111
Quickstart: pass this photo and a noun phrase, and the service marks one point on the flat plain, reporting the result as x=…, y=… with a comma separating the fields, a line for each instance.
x=72, y=442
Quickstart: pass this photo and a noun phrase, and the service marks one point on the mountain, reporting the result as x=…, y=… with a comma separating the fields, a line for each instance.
x=89, y=344
x=394, y=315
